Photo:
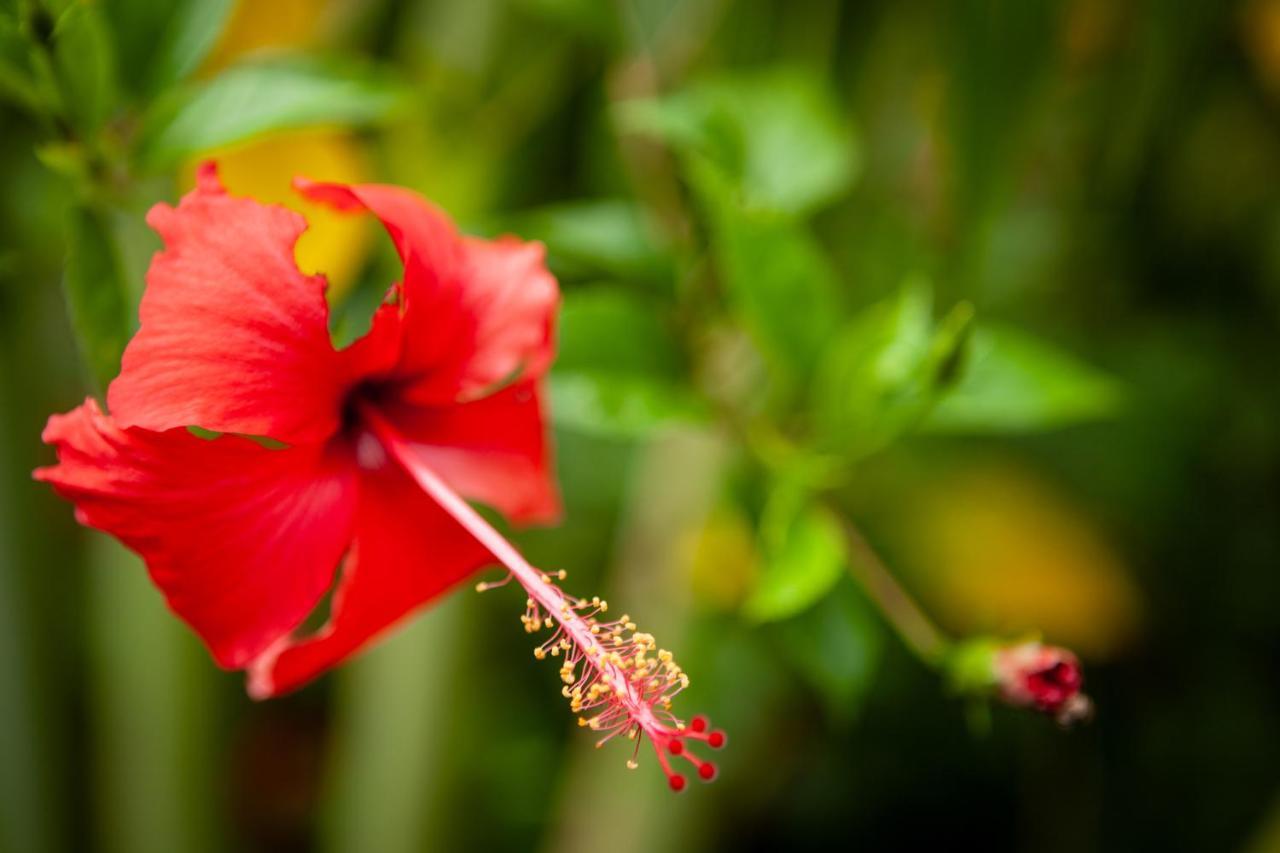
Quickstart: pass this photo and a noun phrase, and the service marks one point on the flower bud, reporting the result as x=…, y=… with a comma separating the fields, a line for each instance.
x=1043, y=678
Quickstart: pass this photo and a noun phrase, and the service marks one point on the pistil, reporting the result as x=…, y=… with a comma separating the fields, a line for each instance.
x=615, y=677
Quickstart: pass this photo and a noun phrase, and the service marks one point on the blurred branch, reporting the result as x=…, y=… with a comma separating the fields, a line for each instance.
x=899, y=608
x=678, y=40
x=384, y=785
x=155, y=715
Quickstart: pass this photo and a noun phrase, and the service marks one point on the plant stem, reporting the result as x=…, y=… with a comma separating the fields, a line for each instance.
x=900, y=610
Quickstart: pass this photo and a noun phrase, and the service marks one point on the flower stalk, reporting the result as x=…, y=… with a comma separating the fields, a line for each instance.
x=900, y=610
x=1028, y=674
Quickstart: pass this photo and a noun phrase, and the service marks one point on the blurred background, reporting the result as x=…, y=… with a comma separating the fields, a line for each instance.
x=996, y=280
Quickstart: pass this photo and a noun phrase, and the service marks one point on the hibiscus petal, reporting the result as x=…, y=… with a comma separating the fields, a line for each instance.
x=494, y=450
x=233, y=337
x=243, y=540
x=407, y=551
x=477, y=312
x=514, y=299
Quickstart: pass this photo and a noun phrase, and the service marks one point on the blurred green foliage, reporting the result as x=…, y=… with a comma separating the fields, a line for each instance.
x=816, y=258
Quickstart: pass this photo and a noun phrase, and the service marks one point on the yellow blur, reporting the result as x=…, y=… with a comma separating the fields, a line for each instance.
x=264, y=25
x=334, y=244
x=1260, y=32
x=722, y=560
x=1000, y=551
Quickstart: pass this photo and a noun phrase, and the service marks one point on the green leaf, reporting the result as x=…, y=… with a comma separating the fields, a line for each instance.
x=837, y=646
x=886, y=370
x=998, y=53
x=760, y=149
x=190, y=32
x=800, y=567
x=611, y=330
x=1013, y=382
x=619, y=370
x=16, y=75
x=608, y=237
x=97, y=295
x=167, y=41
x=621, y=405
x=257, y=98
x=779, y=281
x=589, y=18
x=779, y=135
x=85, y=66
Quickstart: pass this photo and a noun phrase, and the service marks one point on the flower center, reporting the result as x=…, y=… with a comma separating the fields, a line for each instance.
x=364, y=395
x=367, y=396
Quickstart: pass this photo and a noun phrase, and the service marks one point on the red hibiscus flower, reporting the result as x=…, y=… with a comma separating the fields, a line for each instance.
x=346, y=463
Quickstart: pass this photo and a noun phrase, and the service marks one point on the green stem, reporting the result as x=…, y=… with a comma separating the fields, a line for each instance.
x=900, y=610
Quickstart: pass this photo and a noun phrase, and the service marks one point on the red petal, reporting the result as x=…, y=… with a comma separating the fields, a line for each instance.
x=514, y=300
x=407, y=552
x=234, y=338
x=476, y=312
x=243, y=540
x=494, y=450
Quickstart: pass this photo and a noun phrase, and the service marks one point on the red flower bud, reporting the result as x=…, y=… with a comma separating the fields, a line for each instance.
x=1044, y=678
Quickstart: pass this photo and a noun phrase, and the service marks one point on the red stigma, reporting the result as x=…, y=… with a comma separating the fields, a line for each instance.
x=679, y=744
